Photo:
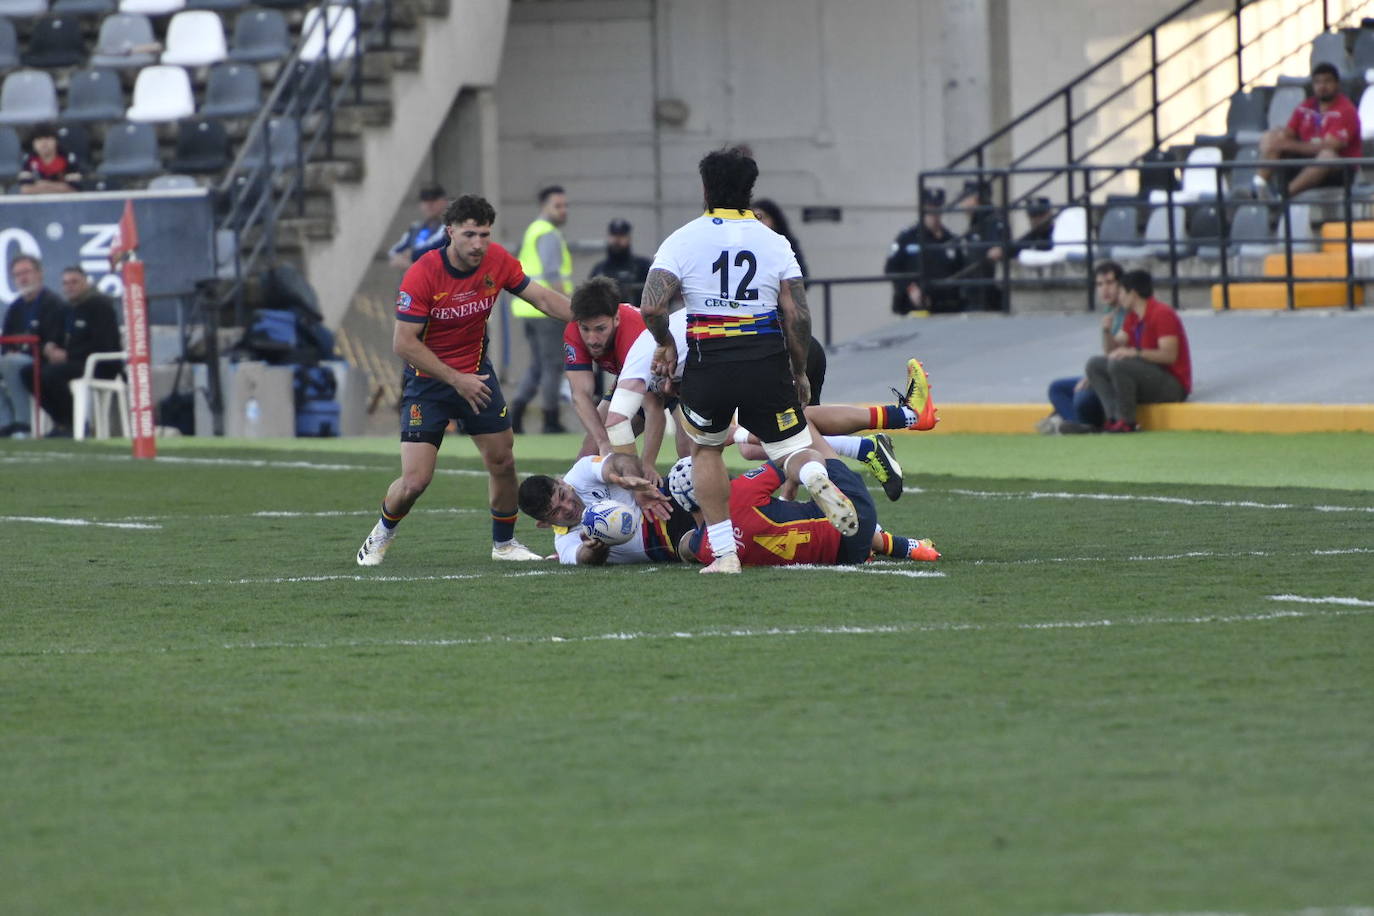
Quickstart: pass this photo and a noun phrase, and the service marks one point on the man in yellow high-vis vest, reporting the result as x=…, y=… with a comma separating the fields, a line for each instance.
x=546, y=260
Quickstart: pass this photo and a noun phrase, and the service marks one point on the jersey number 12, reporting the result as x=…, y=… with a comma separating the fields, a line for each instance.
x=743, y=292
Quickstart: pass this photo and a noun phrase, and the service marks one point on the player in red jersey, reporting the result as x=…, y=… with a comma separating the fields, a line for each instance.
x=441, y=332
x=778, y=532
x=601, y=333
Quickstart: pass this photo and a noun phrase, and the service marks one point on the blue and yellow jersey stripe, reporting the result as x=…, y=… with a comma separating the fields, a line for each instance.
x=717, y=327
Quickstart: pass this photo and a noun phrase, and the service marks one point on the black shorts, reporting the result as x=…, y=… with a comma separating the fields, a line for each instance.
x=854, y=548
x=762, y=390
x=428, y=404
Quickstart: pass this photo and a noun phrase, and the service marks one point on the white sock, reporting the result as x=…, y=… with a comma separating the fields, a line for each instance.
x=810, y=471
x=845, y=446
x=910, y=415
x=721, y=537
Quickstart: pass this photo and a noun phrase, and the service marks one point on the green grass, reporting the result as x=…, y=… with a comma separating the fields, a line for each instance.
x=1098, y=707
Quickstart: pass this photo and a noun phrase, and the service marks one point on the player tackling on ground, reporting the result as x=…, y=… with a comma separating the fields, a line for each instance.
x=441, y=332
x=748, y=328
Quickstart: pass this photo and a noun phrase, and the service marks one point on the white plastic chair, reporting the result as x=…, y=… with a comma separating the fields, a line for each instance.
x=162, y=93
x=1069, y=238
x=91, y=398
x=343, y=25
x=151, y=7
x=195, y=38
x=1199, y=176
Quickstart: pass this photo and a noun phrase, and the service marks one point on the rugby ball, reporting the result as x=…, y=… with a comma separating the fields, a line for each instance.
x=680, y=486
x=611, y=522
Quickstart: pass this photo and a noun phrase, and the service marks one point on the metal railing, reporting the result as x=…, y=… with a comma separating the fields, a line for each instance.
x=1079, y=118
x=260, y=185
x=1222, y=200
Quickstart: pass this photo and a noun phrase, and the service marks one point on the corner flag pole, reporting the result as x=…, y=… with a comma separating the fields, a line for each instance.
x=123, y=255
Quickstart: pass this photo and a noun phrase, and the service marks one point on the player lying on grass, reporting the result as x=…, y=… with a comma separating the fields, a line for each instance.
x=779, y=532
x=560, y=502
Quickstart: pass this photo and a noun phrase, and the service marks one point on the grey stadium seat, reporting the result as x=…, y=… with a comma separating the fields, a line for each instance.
x=94, y=95
x=232, y=91
x=1282, y=103
x=27, y=97
x=119, y=35
x=1246, y=117
x=260, y=36
x=1204, y=229
x=284, y=144
x=130, y=151
x=1329, y=48
x=84, y=7
x=10, y=151
x=56, y=41
x=23, y=9
x=1243, y=172
x=75, y=138
x=1363, y=51
x=9, y=46
x=202, y=146
x=1252, y=230
x=1120, y=229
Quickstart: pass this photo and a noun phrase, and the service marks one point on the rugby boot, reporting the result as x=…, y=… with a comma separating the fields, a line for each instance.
x=882, y=464
x=375, y=547
x=513, y=550
x=917, y=396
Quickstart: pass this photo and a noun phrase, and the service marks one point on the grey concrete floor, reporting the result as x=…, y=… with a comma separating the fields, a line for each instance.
x=1311, y=356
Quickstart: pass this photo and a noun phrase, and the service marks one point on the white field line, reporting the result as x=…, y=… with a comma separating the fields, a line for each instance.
x=277, y=464
x=1329, y=599
x=1305, y=911
x=1190, y=555
x=553, y=570
x=78, y=522
x=744, y=633
x=268, y=513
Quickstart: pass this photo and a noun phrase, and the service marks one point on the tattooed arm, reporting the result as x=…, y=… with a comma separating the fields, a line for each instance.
x=659, y=290
x=796, y=330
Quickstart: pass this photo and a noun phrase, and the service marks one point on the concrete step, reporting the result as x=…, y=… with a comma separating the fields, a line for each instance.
x=1324, y=265
x=1274, y=296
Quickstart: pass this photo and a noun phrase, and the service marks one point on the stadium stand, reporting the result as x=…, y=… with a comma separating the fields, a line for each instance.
x=202, y=147
x=75, y=138
x=260, y=35
x=232, y=91
x=94, y=94
x=125, y=40
x=195, y=38
x=1069, y=240
x=28, y=97
x=162, y=93
x=130, y=151
x=56, y=41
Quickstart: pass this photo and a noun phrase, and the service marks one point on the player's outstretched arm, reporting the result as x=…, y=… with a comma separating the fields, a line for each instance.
x=549, y=301
x=624, y=471
x=592, y=552
x=582, y=383
x=796, y=330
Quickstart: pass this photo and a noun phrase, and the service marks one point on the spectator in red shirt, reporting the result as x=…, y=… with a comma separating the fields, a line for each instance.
x=48, y=169
x=1150, y=363
x=1325, y=126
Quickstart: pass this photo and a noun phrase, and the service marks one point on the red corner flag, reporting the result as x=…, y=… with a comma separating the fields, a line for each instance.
x=136, y=331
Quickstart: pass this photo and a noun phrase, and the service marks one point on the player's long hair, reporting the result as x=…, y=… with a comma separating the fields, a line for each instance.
x=727, y=178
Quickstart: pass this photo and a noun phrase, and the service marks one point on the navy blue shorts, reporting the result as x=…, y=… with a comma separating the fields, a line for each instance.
x=856, y=547
x=428, y=404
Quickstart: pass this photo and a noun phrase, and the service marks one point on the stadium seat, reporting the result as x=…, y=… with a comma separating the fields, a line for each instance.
x=1282, y=103
x=9, y=46
x=23, y=9
x=94, y=95
x=1069, y=238
x=27, y=97
x=282, y=138
x=1246, y=117
x=1252, y=232
x=55, y=41
x=202, y=146
x=84, y=7
x=10, y=152
x=304, y=85
x=1204, y=229
x=1154, y=243
x=259, y=36
x=1119, y=230
x=195, y=38
x=172, y=182
x=1362, y=53
x=1199, y=176
x=125, y=40
x=341, y=23
x=1243, y=172
x=75, y=138
x=282, y=4
x=1304, y=239
x=151, y=7
x=1366, y=109
x=219, y=6
x=1329, y=48
x=232, y=91
x=130, y=151
x=162, y=94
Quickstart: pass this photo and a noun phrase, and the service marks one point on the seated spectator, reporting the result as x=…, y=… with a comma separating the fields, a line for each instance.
x=92, y=327
x=930, y=249
x=621, y=264
x=1149, y=362
x=1325, y=126
x=983, y=246
x=1076, y=408
x=48, y=168
x=771, y=215
x=1039, y=236
x=426, y=232
x=36, y=310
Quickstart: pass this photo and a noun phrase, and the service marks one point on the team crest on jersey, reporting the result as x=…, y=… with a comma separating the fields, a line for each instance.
x=569, y=352
x=751, y=474
x=787, y=419
x=488, y=282
x=402, y=301
x=415, y=418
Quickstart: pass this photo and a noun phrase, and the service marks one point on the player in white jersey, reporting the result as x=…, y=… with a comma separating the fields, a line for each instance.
x=748, y=328
x=558, y=503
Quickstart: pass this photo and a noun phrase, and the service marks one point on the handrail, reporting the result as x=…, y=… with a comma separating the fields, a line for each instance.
x=255, y=195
